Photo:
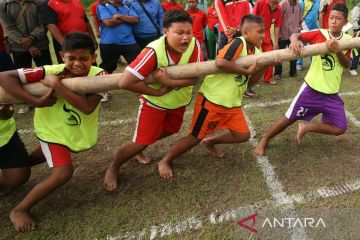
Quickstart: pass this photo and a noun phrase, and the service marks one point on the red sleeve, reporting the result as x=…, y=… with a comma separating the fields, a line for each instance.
x=222, y=14
x=314, y=36
x=256, y=11
x=31, y=75
x=92, y=8
x=204, y=19
x=278, y=17
x=144, y=64
x=197, y=55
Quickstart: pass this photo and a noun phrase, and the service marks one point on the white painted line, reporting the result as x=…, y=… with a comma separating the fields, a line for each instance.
x=217, y=217
x=352, y=118
x=275, y=187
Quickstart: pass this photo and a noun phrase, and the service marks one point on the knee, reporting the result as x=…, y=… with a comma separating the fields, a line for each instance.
x=242, y=137
x=63, y=174
x=20, y=178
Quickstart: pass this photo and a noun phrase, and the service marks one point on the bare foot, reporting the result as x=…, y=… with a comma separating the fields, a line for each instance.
x=22, y=221
x=259, y=150
x=214, y=151
x=141, y=158
x=300, y=133
x=165, y=170
x=110, y=181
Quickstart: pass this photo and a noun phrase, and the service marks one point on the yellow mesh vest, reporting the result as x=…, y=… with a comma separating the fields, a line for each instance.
x=325, y=70
x=64, y=124
x=226, y=89
x=7, y=130
x=177, y=97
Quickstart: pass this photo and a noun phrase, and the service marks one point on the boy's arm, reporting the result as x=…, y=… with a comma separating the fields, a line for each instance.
x=231, y=67
x=255, y=77
x=55, y=32
x=162, y=77
x=11, y=83
x=85, y=103
x=130, y=82
x=333, y=46
x=127, y=19
x=295, y=45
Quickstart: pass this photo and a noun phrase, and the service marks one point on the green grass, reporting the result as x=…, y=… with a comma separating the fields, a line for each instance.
x=202, y=184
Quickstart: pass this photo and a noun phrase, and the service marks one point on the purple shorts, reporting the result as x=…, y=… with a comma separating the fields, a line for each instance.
x=308, y=103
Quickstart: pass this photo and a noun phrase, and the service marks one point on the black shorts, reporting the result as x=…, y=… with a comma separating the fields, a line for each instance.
x=14, y=154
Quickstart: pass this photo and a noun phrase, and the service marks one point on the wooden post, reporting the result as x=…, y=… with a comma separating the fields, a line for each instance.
x=109, y=82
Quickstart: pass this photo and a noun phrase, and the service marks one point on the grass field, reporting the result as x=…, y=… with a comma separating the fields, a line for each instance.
x=207, y=196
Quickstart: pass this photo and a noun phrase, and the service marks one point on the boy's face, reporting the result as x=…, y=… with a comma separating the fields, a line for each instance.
x=254, y=33
x=178, y=36
x=78, y=61
x=192, y=4
x=336, y=21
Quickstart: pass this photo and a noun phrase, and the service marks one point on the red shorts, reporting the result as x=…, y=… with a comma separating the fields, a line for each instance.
x=208, y=117
x=56, y=155
x=153, y=121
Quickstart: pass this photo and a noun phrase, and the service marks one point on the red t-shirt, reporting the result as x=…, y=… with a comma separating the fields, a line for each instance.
x=231, y=12
x=92, y=8
x=199, y=23
x=2, y=44
x=145, y=63
x=212, y=18
x=327, y=12
x=71, y=15
x=315, y=36
x=262, y=9
x=168, y=6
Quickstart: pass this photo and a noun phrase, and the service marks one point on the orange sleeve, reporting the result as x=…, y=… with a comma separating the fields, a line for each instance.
x=232, y=50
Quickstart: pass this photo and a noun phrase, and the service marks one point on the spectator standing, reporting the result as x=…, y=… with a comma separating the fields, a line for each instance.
x=324, y=13
x=199, y=23
x=26, y=34
x=230, y=13
x=355, y=20
x=62, y=17
x=212, y=24
x=171, y=4
x=116, y=36
x=310, y=15
x=150, y=25
x=94, y=17
x=270, y=11
x=291, y=14
x=6, y=63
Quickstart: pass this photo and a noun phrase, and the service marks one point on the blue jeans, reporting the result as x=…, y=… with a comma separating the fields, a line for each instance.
x=355, y=61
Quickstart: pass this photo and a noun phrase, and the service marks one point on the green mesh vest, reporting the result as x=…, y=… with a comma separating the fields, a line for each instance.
x=7, y=130
x=227, y=89
x=325, y=70
x=177, y=97
x=64, y=124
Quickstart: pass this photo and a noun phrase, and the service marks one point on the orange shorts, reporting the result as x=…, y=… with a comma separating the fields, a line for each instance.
x=208, y=117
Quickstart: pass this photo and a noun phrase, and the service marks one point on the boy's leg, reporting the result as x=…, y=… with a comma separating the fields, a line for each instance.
x=12, y=177
x=229, y=137
x=182, y=146
x=126, y=152
x=279, y=126
x=14, y=163
x=20, y=215
x=323, y=128
x=110, y=53
x=59, y=159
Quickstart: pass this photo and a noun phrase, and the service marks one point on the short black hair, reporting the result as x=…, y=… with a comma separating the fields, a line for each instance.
x=78, y=40
x=341, y=8
x=175, y=16
x=251, y=18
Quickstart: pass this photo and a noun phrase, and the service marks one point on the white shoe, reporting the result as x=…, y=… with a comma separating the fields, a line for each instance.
x=24, y=109
x=106, y=97
x=299, y=67
x=353, y=72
